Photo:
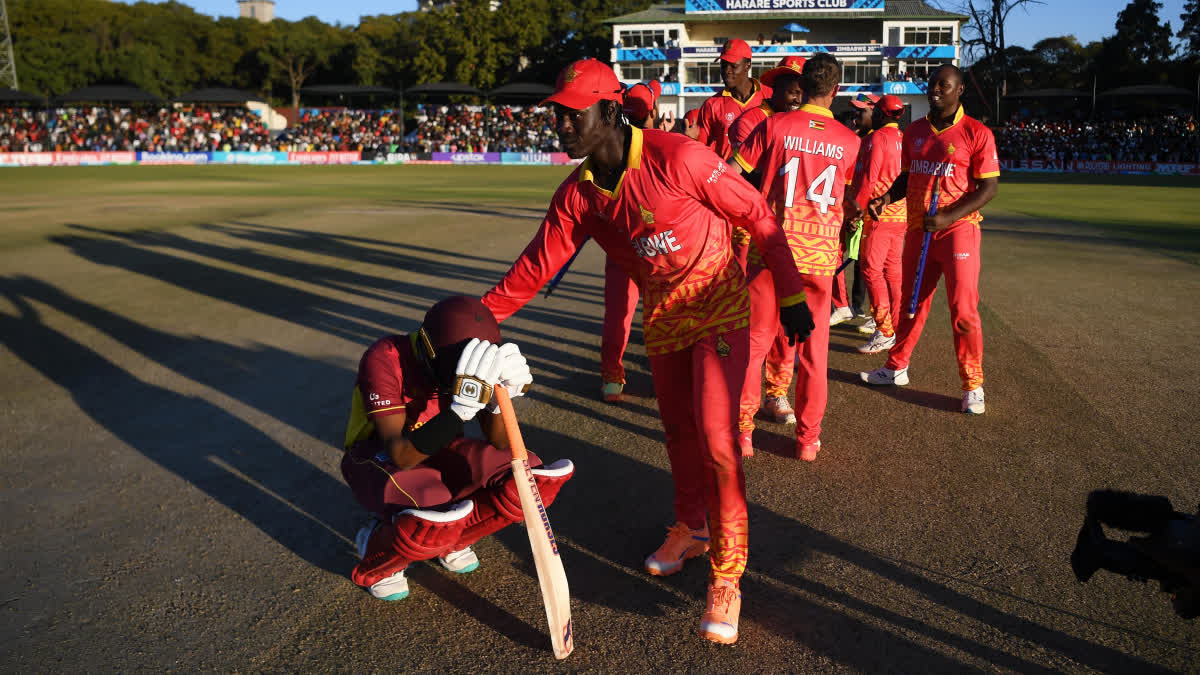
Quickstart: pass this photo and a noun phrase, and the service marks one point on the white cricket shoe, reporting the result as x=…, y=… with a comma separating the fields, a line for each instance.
x=392, y=588
x=868, y=327
x=885, y=376
x=840, y=315
x=973, y=401
x=460, y=562
x=878, y=343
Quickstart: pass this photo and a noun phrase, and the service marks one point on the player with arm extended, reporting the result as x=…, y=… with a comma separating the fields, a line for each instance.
x=786, y=96
x=806, y=159
x=883, y=237
x=959, y=153
x=433, y=492
x=662, y=207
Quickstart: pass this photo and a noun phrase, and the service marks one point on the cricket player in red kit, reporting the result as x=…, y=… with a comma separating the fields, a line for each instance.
x=741, y=93
x=786, y=96
x=806, y=160
x=883, y=237
x=432, y=492
x=662, y=207
x=847, y=307
x=959, y=153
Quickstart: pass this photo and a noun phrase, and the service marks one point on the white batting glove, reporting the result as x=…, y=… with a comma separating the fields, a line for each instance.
x=478, y=370
x=514, y=373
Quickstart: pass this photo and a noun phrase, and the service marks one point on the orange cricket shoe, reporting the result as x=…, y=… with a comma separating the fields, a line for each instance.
x=808, y=451
x=682, y=544
x=720, y=621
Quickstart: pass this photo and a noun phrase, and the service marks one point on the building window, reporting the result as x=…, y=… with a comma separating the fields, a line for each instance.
x=918, y=71
x=929, y=36
x=641, y=72
x=252, y=8
x=641, y=39
x=861, y=72
x=704, y=73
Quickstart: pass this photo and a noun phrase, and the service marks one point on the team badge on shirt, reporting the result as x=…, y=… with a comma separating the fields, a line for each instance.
x=950, y=149
x=816, y=124
x=647, y=215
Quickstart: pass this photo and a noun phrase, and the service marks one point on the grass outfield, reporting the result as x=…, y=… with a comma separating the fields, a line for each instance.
x=1156, y=210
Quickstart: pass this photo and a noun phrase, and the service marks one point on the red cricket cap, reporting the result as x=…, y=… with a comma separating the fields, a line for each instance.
x=655, y=88
x=864, y=100
x=583, y=83
x=892, y=106
x=734, y=51
x=788, y=64
x=639, y=101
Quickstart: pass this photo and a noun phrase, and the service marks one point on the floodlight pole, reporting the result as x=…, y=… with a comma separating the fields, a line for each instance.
x=8, y=64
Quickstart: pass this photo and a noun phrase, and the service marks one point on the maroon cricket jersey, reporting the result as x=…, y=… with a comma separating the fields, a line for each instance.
x=391, y=380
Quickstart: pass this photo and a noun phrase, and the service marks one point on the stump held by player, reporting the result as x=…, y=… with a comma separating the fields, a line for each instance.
x=912, y=303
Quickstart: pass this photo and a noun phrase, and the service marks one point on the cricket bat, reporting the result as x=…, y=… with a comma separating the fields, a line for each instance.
x=552, y=578
x=916, y=291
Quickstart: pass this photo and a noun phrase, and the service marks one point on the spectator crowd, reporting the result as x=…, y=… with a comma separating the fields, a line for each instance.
x=183, y=129
x=462, y=128
x=1168, y=138
x=438, y=128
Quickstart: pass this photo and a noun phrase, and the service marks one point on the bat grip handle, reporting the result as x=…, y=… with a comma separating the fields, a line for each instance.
x=509, y=417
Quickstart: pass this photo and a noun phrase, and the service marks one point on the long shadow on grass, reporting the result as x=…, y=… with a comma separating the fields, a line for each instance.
x=141, y=254
x=1164, y=239
x=606, y=516
x=285, y=496
x=152, y=254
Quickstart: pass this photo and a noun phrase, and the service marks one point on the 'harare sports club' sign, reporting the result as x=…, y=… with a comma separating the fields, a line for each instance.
x=783, y=6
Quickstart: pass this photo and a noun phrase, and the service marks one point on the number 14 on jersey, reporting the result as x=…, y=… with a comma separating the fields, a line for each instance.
x=820, y=191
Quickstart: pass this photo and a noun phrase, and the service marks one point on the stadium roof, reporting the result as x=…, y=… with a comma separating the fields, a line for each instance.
x=522, y=90
x=1148, y=90
x=444, y=89
x=216, y=95
x=345, y=90
x=106, y=93
x=893, y=10
x=1047, y=93
x=18, y=96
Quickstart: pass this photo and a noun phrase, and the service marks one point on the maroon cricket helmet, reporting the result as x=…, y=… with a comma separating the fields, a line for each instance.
x=449, y=325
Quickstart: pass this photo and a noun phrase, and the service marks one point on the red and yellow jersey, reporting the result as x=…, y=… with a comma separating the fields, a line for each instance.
x=958, y=156
x=718, y=113
x=667, y=223
x=391, y=380
x=806, y=160
x=740, y=130
x=877, y=168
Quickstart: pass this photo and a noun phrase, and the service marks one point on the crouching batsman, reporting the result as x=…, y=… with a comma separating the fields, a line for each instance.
x=432, y=491
x=663, y=208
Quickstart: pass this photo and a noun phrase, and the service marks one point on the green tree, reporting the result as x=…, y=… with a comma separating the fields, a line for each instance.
x=1190, y=31
x=297, y=50
x=1144, y=38
x=1062, y=63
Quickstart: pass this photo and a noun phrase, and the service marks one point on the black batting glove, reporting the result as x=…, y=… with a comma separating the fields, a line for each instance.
x=797, y=322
